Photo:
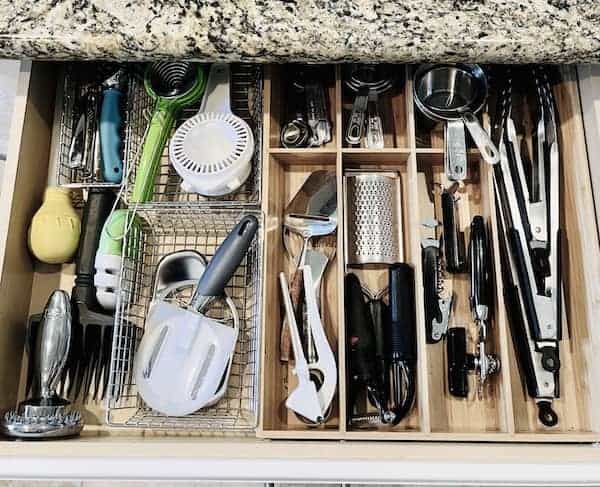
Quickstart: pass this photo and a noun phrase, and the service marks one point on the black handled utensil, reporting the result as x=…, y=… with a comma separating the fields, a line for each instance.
x=402, y=354
x=89, y=355
x=362, y=346
x=437, y=306
x=459, y=362
x=454, y=248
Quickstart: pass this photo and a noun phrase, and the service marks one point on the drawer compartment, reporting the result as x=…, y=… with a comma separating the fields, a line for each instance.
x=414, y=150
x=416, y=154
x=158, y=234
x=487, y=413
x=246, y=102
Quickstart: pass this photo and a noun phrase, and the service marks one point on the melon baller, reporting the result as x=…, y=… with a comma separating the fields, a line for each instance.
x=173, y=85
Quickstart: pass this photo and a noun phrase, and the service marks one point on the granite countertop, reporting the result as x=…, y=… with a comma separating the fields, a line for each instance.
x=515, y=31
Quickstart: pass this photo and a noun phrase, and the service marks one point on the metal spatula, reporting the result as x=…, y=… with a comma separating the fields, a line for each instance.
x=311, y=213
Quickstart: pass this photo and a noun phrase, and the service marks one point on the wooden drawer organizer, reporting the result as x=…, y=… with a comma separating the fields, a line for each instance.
x=414, y=148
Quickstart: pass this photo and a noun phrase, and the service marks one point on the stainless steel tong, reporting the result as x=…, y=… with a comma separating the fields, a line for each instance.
x=529, y=219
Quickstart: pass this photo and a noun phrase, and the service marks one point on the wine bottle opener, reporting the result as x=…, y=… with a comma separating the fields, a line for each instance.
x=438, y=302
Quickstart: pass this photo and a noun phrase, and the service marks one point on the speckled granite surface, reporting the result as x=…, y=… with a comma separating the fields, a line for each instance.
x=303, y=30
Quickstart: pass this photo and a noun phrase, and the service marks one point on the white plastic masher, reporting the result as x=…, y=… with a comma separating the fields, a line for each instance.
x=212, y=151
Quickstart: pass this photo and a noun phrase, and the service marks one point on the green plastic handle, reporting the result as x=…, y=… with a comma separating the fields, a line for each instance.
x=159, y=130
x=111, y=239
x=113, y=233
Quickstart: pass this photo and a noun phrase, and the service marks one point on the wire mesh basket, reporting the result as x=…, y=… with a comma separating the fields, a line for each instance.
x=81, y=92
x=160, y=232
x=246, y=102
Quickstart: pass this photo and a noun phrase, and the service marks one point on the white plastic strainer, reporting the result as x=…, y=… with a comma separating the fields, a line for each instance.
x=212, y=151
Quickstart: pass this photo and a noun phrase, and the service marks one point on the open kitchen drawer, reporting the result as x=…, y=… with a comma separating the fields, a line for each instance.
x=506, y=415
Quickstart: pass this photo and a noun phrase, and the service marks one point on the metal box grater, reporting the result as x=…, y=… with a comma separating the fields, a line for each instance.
x=373, y=218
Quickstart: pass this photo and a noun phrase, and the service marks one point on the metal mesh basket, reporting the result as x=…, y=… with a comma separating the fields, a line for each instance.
x=79, y=80
x=246, y=102
x=160, y=232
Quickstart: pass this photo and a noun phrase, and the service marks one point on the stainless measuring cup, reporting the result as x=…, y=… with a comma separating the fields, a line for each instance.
x=368, y=81
x=454, y=93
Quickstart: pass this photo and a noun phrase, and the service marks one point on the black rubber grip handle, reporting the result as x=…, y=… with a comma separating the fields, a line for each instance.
x=453, y=247
x=380, y=316
x=522, y=203
x=527, y=293
x=359, y=332
x=516, y=321
x=226, y=260
x=430, y=261
x=456, y=343
x=402, y=313
x=479, y=257
x=97, y=208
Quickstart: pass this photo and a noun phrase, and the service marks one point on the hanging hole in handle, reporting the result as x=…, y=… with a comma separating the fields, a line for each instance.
x=546, y=414
x=355, y=131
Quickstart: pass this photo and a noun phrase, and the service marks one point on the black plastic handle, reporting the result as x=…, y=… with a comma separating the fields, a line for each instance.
x=359, y=332
x=453, y=244
x=402, y=313
x=95, y=212
x=456, y=343
x=430, y=261
x=523, y=277
x=224, y=263
x=480, y=263
x=380, y=315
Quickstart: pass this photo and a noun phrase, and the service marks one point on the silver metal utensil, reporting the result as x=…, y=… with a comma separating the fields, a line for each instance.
x=454, y=94
x=45, y=414
x=368, y=81
x=176, y=271
x=316, y=108
x=313, y=211
x=373, y=218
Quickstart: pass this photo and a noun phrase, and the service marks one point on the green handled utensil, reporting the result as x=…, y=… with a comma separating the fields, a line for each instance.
x=173, y=85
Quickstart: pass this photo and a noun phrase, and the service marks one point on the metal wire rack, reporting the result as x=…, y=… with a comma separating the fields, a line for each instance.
x=246, y=102
x=159, y=232
x=81, y=88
